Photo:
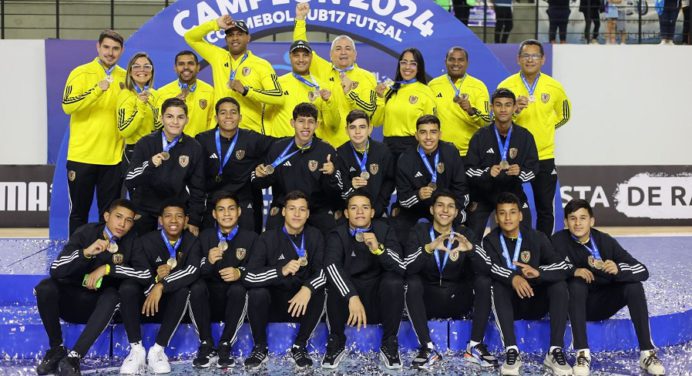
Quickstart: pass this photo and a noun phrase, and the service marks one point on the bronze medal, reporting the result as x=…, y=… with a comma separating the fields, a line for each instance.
x=165, y=155
x=172, y=262
x=218, y=178
x=464, y=96
x=457, y=99
x=109, y=78
x=432, y=185
x=504, y=165
x=598, y=264
x=532, y=98
x=223, y=245
x=303, y=261
x=313, y=95
x=112, y=247
x=269, y=169
x=359, y=237
x=365, y=175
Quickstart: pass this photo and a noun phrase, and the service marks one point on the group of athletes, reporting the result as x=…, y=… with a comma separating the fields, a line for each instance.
x=194, y=158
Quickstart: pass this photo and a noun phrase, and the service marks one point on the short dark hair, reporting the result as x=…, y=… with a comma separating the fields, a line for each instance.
x=355, y=115
x=442, y=193
x=457, y=48
x=508, y=198
x=428, y=119
x=530, y=42
x=226, y=100
x=305, y=110
x=173, y=102
x=223, y=195
x=296, y=195
x=111, y=34
x=185, y=53
x=577, y=204
x=360, y=192
x=503, y=93
x=122, y=203
x=172, y=203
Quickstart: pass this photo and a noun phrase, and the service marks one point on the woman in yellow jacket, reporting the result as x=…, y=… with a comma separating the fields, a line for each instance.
x=402, y=102
x=138, y=108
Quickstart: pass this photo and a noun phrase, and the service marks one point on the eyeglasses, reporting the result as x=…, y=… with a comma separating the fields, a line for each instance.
x=409, y=63
x=530, y=56
x=147, y=67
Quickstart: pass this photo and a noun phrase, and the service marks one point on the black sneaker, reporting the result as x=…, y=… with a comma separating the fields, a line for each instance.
x=205, y=354
x=257, y=357
x=335, y=353
x=225, y=358
x=69, y=366
x=49, y=363
x=300, y=357
x=426, y=358
x=389, y=353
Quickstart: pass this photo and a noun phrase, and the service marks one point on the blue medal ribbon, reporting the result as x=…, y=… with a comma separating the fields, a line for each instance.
x=283, y=157
x=362, y=163
x=454, y=86
x=343, y=70
x=234, y=71
x=111, y=238
x=167, y=146
x=229, y=152
x=310, y=83
x=503, y=147
x=228, y=237
x=357, y=230
x=189, y=88
x=108, y=71
x=436, y=253
x=139, y=90
x=405, y=82
x=505, y=252
x=432, y=171
x=594, y=251
x=172, y=249
x=299, y=250
x=530, y=88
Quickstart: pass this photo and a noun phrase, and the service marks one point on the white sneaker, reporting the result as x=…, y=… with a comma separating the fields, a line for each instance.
x=158, y=361
x=136, y=361
x=651, y=364
x=512, y=363
x=557, y=364
x=582, y=366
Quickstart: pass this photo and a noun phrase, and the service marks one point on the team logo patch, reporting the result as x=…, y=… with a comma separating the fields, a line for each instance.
x=525, y=256
x=118, y=258
x=71, y=175
x=240, y=253
x=513, y=152
x=545, y=97
x=184, y=160
x=239, y=154
x=440, y=168
x=413, y=99
x=203, y=103
x=274, y=211
x=374, y=168
x=246, y=71
x=312, y=165
x=122, y=85
x=354, y=85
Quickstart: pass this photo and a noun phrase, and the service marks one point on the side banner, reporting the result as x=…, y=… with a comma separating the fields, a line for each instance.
x=24, y=195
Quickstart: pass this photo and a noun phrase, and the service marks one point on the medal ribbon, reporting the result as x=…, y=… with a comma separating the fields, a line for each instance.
x=531, y=88
x=168, y=145
x=139, y=90
x=299, y=250
x=229, y=152
x=184, y=86
x=503, y=147
x=594, y=251
x=310, y=83
x=230, y=235
x=343, y=70
x=505, y=252
x=436, y=253
x=234, y=71
x=172, y=249
x=108, y=71
x=405, y=82
x=454, y=86
x=111, y=238
x=432, y=171
x=283, y=157
x=355, y=231
x=362, y=163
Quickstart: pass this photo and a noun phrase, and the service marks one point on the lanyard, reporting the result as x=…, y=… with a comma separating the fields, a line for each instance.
x=299, y=250
x=184, y=86
x=356, y=231
x=172, y=249
x=454, y=86
x=139, y=90
x=594, y=251
x=228, y=237
x=111, y=238
x=362, y=163
x=405, y=82
x=283, y=157
x=310, y=83
x=505, y=252
x=437, y=252
x=229, y=152
x=343, y=70
x=168, y=145
x=432, y=171
x=530, y=88
x=503, y=147
x=234, y=71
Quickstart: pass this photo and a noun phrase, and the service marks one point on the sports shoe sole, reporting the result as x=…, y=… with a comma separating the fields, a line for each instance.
x=338, y=360
x=266, y=358
x=553, y=372
x=480, y=363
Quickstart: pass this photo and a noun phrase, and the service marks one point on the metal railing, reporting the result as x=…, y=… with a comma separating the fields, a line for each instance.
x=81, y=19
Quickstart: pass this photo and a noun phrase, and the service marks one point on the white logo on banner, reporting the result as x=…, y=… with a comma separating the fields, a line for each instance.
x=656, y=196
x=21, y=196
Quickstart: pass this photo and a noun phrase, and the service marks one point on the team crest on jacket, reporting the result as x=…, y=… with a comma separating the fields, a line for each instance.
x=413, y=99
x=525, y=256
x=71, y=175
x=203, y=103
x=239, y=154
x=246, y=71
x=118, y=258
x=312, y=165
x=184, y=160
x=545, y=97
x=374, y=168
x=122, y=85
x=513, y=152
x=240, y=253
x=440, y=168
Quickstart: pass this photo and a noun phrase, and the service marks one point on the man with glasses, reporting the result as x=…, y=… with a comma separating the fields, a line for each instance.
x=542, y=107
